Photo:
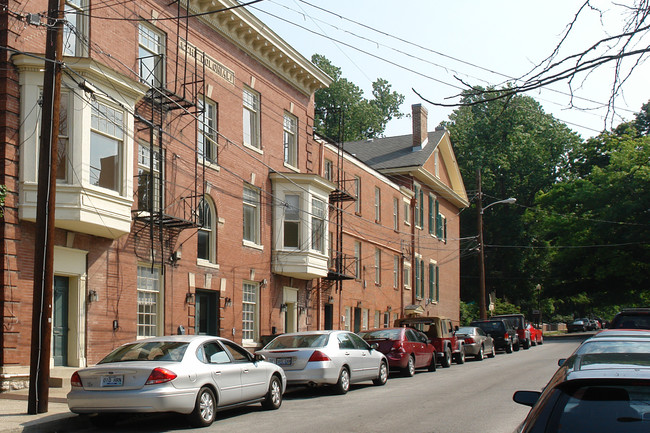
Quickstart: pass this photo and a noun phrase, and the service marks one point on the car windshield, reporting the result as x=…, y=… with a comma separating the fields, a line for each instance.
x=148, y=351
x=491, y=326
x=612, y=407
x=632, y=322
x=298, y=341
x=467, y=330
x=625, y=346
x=381, y=334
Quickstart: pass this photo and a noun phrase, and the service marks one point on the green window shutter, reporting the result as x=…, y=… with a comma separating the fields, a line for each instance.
x=437, y=283
x=421, y=208
x=444, y=234
x=438, y=220
x=417, y=282
x=431, y=219
x=431, y=281
x=422, y=278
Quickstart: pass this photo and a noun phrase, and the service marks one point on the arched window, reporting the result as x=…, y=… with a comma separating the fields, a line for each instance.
x=207, y=234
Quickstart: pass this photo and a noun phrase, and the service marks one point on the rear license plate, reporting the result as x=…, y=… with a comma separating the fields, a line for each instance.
x=283, y=361
x=113, y=380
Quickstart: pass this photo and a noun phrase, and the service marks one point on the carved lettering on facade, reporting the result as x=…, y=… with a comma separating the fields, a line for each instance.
x=209, y=62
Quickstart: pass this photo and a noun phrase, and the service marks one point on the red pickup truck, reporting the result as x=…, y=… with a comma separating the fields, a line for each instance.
x=440, y=331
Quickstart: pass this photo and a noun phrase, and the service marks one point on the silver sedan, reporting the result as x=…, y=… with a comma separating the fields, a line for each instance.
x=476, y=342
x=336, y=358
x=188, y=374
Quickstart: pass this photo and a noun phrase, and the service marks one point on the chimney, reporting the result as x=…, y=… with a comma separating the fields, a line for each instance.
x=420, y=132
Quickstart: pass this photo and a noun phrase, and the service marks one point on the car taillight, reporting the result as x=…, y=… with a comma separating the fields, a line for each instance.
x=506, y=336
x=160, y=375
x=318, y=356
x=75, y=380
x=397, y=347
x=468, y=340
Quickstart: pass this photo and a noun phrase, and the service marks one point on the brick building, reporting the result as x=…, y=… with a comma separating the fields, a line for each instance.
x=192, y=195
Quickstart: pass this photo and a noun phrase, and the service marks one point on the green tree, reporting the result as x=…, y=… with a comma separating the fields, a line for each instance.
x=342, y=112
x=520, y=150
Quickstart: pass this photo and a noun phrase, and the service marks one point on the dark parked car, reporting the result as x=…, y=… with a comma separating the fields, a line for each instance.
x=632, y=318
x=476, y=342
x=518, y=323
x=603, y=387
x=579, y=325
x=505, y=337
x=405, y=348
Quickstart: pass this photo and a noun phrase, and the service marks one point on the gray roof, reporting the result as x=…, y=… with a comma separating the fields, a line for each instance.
x=393, y=152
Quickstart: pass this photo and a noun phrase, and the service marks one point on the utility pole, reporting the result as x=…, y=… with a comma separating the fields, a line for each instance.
x=481, y=254
x=39, y=371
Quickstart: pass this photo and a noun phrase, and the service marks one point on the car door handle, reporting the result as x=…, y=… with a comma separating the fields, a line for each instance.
x=245, y=370
x=347, y=353
x=218, y=373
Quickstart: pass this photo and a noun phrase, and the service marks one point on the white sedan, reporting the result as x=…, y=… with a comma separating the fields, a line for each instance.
x=188, y=374
x=336, y=358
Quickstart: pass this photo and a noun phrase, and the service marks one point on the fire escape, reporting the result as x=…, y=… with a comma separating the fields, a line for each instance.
x=165, y=208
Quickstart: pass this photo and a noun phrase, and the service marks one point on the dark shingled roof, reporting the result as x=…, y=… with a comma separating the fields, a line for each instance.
x=393, y=152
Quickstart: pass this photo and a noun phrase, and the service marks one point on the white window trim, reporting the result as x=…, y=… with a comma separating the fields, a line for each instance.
x=407, y=276
x=294, y=134
x=258, y=121
x=213, y=164
x=256, y=315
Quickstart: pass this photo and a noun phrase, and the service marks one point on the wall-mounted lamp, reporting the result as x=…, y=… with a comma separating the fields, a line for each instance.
x=359, y=304
x=263, y=283
x=301, y=310
x=389, y=308
x=331, y=299
x=189, y=298
x=92, y=296
x=227, y=302
x=283, y=308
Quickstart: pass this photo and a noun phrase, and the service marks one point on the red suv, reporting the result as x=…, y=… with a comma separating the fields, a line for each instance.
x=440, y=331
x=405, y=348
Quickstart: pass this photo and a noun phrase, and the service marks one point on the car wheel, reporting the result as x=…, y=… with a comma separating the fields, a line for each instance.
x=493, y=353
x=509, y=347
x=273, y=399
x=409, y=371
x=526, y=344
x=383, y=375
x=432, y=365
x=446, y=360
x=343, y=384
x=480, y=355
x=460, y=356
x=204, y=408
x=541, y=339
x=515, y=346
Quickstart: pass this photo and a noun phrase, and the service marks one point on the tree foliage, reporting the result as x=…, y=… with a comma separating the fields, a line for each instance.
x=342, y=112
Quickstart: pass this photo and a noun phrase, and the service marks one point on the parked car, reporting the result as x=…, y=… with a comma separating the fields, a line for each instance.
x=505, y=337
x=405, y=348
x=604, y=386
x=518, y=323
x=440, y=330
x=536, y=335
x=336, y=358
x=476, y=342
x=632, y=318
x=578, y=325
x=189, y=374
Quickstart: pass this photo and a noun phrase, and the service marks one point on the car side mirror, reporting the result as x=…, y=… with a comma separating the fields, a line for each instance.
x=527, y=398
x=374, y=346
x=259, y=357
x=561, y=361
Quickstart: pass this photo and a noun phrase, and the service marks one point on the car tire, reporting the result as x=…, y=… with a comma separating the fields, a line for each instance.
x=515, y=346
x=509, y=347
x=481, y=354
x=526, y=344
x=343, y=384
x=493, y=353
x=409, y=371
x=205, y=408
x=383, y=375
x=432, y=364
x=541, y=340
x=273, y=399
x=460, y=356
x=446, y=359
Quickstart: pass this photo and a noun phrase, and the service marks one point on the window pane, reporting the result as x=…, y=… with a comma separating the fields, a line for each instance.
x=148, y=293
x=249, y=311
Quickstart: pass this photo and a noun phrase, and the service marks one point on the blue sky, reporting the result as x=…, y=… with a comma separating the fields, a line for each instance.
x=425, y=44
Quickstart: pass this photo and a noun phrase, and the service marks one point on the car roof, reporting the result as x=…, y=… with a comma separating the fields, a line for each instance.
x=622, y=333
x=179, y=338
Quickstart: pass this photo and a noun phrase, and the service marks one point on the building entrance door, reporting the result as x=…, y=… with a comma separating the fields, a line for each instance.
x=329, y=316
x=60, y=321
x=206, y=320
x=357, y=320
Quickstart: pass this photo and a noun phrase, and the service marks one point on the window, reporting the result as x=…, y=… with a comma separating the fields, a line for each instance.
x=249, y=312
x=418, y=281
x=407, y=275
x=63, y=146
x=207, y=131
x=377, y=266
x=357, y=186
x=419, y=206
x=206, y=236
x=148, y=301
x=251, y=118
x=290, y=140
x=106, y=146
x=407, y=212
x=318, y=217
x=357, y=260
x=364, y=319
x=75, y=29
x=327, y=171
x=438, y=220
x=395, y=271
x=292, y=221
x=377, y=204
x=151, y=56
x=386, y=319
x=251, y=215
x=148, y=178
x=436, y=162
x=347, y=319
x=377, y=319
x=443, y=231
x=395, y=213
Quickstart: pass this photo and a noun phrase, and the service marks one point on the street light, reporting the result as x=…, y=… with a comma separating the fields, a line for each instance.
x=511, y=200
